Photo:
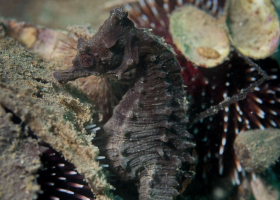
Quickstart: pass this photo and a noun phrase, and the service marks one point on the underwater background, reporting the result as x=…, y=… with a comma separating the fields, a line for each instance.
x=51, y=134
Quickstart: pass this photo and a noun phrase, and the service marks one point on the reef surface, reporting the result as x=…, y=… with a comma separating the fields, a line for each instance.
x=51, y=112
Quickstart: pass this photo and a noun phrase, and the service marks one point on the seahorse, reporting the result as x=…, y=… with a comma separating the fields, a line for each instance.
x=145, y=139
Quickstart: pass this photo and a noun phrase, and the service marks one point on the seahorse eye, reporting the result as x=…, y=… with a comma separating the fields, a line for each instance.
x=86, y=60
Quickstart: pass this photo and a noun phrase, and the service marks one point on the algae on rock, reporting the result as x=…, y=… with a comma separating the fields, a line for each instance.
x=49, y=111
x=19, y=161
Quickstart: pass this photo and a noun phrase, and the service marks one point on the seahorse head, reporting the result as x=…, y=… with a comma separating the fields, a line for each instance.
x=103, y=53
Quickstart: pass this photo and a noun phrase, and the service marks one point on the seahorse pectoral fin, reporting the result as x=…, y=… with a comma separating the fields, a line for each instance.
x=72, y=73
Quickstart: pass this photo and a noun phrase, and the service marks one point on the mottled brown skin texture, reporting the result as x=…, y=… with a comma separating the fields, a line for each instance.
x=146, y=138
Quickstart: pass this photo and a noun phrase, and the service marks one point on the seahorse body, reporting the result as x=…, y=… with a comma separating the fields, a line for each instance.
x=146, y=138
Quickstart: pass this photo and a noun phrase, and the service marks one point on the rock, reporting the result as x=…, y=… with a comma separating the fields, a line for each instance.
x=257, y=149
